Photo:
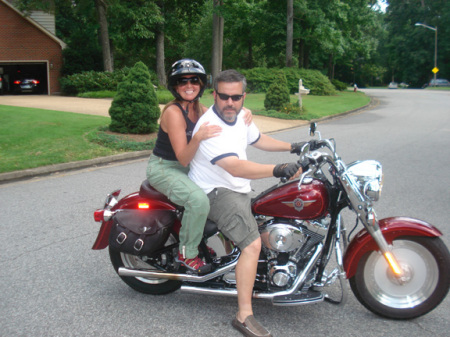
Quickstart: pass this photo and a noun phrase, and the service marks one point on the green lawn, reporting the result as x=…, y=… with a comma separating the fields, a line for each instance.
x=314, y=106
x=32, y=138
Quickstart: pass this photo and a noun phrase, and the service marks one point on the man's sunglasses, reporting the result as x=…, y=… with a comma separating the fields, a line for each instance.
x=234, y=98
x=185, y=80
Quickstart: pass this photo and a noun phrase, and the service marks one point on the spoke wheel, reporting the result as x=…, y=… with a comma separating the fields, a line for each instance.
x=425, y=263
x=154, y=286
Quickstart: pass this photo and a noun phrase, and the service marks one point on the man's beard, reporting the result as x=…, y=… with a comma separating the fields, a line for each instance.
x=230, y=118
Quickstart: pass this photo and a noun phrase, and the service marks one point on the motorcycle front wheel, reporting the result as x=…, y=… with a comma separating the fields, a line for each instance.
x=144, y=285
x=425, y=262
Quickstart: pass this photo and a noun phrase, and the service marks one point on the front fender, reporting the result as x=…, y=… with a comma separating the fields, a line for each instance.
x=391, y=228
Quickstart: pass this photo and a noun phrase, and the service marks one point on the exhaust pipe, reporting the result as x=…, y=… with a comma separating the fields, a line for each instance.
x=299, y=281
x=174, y=276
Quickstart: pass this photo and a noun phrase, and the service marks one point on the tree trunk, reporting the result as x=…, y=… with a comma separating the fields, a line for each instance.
x=250, y=54
x=216, y=43
x=160, y=53
x=301, y=53
x=104, y=35
x=330, y=67
x=160, y=67
x=289, y=32
x=221, y=26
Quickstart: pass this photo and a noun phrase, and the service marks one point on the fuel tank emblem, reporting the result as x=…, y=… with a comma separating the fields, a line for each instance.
x=298, y=204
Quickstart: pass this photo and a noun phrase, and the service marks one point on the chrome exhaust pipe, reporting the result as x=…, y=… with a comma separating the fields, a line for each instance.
x=174, y=276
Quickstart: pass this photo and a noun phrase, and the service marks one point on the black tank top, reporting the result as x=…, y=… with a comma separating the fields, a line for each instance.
x=163, y=147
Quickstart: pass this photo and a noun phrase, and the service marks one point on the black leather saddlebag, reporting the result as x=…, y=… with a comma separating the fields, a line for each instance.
x=140, y=232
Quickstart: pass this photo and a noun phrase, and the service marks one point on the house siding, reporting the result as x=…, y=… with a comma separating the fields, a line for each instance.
x=21, y=41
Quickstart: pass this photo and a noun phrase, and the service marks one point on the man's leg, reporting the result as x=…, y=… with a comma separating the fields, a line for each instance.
x=245, y=278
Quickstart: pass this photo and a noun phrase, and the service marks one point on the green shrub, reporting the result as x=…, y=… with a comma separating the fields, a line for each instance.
x=314, y=80
x=292, y=109
x=277, y=94
x=259, y=80
x=164, y=96
x=135, y=107
x=95, y=81
x=341, y=86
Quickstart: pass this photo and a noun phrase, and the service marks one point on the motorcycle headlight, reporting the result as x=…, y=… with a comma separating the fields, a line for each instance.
x=368, y=175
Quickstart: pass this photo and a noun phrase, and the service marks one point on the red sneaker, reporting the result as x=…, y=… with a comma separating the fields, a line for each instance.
x=195, y=265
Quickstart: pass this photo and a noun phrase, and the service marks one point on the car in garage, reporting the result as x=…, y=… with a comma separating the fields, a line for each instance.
x=27, y=85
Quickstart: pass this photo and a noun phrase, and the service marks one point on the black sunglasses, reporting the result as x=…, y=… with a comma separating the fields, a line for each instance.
x=185, y=80
x=234, y=98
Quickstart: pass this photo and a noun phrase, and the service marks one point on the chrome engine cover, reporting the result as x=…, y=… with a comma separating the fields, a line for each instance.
x=281, y=237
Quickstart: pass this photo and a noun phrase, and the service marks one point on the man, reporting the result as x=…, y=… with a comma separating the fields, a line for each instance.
x=220, y=167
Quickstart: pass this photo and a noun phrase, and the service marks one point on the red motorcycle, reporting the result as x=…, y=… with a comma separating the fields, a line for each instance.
x=397, y=267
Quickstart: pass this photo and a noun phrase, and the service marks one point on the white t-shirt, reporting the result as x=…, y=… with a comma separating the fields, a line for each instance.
x=232, y=141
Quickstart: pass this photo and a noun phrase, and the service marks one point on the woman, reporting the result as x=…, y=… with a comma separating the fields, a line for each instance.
x=174, y=149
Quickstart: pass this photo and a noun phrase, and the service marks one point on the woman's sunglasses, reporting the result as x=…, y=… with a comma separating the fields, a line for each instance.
x=185, y=80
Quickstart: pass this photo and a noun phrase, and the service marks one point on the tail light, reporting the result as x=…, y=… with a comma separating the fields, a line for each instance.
x=98, y=215
x=143, y=205
x=17, y=82
x=103, y=215
x=35, y=81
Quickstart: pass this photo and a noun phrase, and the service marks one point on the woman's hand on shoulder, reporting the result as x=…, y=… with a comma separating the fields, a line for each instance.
x=248, y=117
x=206, y=131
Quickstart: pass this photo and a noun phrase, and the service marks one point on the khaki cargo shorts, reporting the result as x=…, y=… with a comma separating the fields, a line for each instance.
x=231, y=211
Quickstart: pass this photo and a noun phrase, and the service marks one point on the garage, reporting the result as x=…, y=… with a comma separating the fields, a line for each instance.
x=15, y=71
x=30, y=53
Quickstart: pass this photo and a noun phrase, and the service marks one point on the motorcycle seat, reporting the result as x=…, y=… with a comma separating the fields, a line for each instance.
x=147, y=191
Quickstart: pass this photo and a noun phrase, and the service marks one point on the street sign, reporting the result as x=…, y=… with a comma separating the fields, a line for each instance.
x=435, y=70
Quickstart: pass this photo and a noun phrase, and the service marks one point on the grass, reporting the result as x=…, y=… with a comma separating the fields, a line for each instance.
x=314, y=106
x=32, y=138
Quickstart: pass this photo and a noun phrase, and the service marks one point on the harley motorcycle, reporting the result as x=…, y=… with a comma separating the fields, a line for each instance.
x=397, y=267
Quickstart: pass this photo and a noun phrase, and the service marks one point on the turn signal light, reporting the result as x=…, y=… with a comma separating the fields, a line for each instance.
x=393, y=264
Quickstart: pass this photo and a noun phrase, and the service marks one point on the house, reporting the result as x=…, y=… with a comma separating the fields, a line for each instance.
x=29, y=48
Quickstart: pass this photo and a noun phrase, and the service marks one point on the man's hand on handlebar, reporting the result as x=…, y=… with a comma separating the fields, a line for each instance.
x=287, y=170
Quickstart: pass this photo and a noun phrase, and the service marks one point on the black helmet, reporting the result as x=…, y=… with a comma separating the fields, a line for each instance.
x=186, y=67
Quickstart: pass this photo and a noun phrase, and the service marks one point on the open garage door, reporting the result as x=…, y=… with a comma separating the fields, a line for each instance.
x=13, y=75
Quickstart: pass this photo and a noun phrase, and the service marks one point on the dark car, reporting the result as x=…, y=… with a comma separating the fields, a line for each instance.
x=440, y=82
x=27, y=85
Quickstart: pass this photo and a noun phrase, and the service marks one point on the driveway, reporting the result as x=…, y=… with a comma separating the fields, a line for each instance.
x=100, y=107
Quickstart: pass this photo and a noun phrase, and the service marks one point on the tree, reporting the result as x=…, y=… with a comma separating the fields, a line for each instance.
x=135, y=107
x=409, y=49
x=217, y=36
x=101, y=7
x=289, y=32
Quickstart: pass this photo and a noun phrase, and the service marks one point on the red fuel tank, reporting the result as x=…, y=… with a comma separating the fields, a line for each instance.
x=287, y=201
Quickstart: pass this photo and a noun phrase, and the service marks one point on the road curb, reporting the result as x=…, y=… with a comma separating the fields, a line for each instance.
x=76, y=165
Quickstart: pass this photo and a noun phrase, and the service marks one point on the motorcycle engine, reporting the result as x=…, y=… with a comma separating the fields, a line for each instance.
x=286, y=244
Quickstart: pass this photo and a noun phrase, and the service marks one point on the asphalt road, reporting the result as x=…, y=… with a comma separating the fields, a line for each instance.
x=53, y=284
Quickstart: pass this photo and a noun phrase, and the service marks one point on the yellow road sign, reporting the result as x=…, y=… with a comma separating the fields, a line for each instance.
x=435, y=70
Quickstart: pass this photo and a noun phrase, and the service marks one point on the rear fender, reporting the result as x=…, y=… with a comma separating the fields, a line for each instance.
x=391, y=228
x=132, y=202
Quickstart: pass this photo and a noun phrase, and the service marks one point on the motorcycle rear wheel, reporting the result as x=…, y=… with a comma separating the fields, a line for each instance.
x=426, y=263
x=144, y=285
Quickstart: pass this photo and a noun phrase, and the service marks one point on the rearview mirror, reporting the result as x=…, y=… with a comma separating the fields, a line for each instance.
x=312, y=129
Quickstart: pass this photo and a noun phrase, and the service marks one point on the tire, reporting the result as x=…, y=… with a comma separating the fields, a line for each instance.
x=427, y=264
x=144, y=285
